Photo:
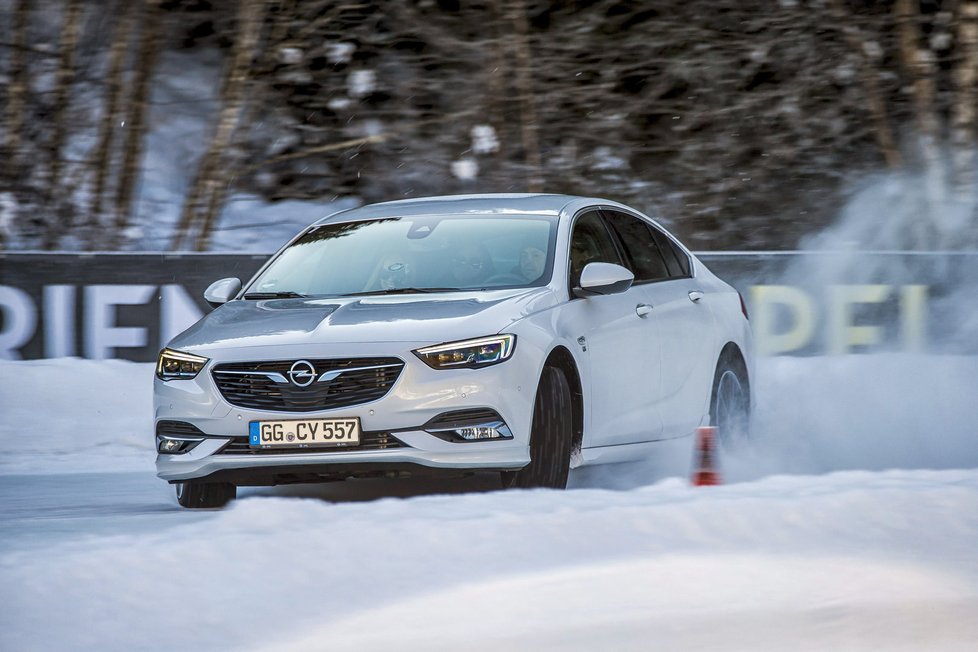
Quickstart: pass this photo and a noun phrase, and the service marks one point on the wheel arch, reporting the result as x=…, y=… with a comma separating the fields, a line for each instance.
x=732, y=356
x=560, y=358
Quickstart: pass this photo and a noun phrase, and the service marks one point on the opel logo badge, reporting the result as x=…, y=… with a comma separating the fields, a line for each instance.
x=302, y=373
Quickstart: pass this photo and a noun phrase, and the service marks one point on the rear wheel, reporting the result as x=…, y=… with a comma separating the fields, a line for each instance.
x=192, y=494
x=550, y=436
x=730, y=405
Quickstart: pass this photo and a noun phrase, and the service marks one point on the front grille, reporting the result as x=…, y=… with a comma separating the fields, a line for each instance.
x=266, y=385
x=369, y=441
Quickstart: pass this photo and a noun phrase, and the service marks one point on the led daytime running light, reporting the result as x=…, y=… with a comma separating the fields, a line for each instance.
x=173, y=365
x=469, y=354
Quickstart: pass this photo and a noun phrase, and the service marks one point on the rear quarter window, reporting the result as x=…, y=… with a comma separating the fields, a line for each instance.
x=676, y=259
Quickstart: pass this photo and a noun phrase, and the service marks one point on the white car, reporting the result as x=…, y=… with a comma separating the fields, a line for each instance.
x=525, y=334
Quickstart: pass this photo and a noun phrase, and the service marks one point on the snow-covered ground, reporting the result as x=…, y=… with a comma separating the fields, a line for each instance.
x=811, y=545
x=855, y=560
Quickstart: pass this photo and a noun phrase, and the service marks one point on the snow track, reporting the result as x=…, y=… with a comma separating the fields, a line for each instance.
x=813, y=545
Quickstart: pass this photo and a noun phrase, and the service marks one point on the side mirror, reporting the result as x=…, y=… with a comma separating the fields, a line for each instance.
x=603, y=278
x=220, y=292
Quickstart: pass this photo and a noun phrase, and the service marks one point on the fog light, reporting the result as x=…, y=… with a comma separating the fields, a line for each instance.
x=175, y=445
x=485, y=431
x=478, y=432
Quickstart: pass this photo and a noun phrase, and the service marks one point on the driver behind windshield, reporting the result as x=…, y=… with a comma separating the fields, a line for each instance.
x=532, y=262
x=471, y=265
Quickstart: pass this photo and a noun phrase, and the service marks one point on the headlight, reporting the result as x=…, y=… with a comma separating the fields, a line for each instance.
x=468, y=354
x=175, y=364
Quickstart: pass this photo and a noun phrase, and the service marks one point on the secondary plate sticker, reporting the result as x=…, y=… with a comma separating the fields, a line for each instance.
x=304, y=433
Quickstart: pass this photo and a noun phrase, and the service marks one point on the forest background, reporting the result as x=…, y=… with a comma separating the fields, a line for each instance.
x=740, y=124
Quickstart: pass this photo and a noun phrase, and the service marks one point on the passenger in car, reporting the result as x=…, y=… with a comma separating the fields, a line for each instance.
x=392, y=272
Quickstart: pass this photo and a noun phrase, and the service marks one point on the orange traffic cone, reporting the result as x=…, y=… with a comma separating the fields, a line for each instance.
x=705, y=474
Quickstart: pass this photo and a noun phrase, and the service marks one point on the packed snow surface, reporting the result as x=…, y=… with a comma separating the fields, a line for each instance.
x=811, y=545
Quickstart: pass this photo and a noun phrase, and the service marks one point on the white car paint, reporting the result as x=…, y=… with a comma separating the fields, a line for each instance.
x=646, y=374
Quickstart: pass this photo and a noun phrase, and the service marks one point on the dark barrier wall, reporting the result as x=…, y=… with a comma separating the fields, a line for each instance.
x=105, y=305
x=128, y=305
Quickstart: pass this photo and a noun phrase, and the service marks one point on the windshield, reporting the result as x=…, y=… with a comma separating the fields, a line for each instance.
x=413, y=254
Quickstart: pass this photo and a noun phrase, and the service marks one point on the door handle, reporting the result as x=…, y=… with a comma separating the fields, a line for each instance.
x=643, y=309
x=695, y=296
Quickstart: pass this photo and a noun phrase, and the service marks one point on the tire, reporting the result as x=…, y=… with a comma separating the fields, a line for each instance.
x=193, y=495
x=550, y=436
x=730, y=403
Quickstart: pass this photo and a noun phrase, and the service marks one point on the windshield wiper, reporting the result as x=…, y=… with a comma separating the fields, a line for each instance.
x=373, y=293
x=274, y=295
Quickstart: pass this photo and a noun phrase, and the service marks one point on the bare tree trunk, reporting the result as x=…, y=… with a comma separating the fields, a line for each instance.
x=964, y=112
x=17, y=90
x=870, y=78
x=102, y=154
x=206, y=194
x=218, y=193
x=524, y=84
x=261, y=60
x=919, y=64
x=70, y=31
x=495, y=97
x=16, y=99
x=136, y=116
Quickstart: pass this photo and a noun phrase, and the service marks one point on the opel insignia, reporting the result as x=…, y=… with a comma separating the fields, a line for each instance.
x=519, y=334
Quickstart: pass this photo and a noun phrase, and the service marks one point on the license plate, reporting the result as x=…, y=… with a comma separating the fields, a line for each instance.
x=306, y=433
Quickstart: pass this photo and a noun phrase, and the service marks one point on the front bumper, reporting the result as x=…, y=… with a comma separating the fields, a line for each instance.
x=419, y=395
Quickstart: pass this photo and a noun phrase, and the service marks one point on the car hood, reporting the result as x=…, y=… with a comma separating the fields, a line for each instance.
x=401, y=318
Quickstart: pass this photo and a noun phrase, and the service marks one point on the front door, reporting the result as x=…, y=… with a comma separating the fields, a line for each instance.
x=623, y=354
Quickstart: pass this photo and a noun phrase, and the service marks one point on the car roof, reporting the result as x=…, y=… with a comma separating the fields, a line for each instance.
x=485, y=204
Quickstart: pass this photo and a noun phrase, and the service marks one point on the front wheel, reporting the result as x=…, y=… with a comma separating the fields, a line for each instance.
x=730, y=404
x=192, y=494
x=550, y=436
